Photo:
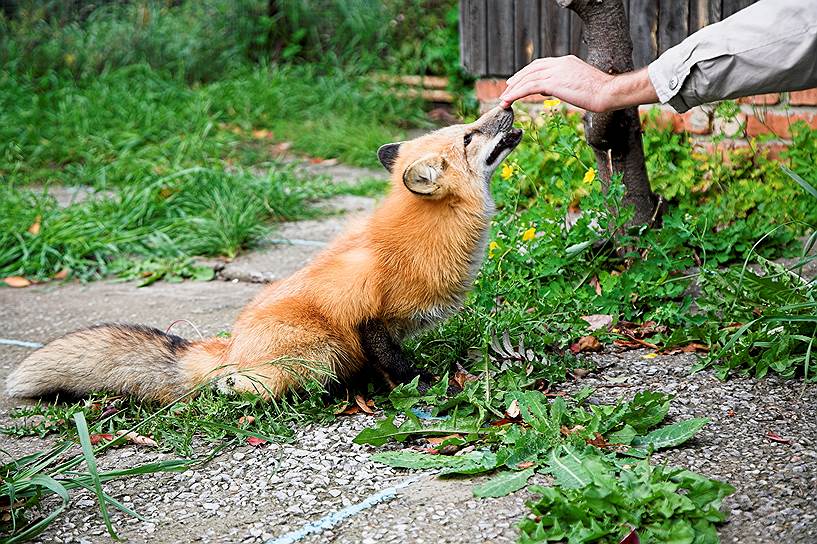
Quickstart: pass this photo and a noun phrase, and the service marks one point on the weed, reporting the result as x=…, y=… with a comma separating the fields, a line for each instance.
x=591, y=452
x=26, y=481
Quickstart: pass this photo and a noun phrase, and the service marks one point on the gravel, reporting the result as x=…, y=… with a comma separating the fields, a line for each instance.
x=254, y=494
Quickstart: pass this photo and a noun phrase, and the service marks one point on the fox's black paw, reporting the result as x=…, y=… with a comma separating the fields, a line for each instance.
x=426, y=382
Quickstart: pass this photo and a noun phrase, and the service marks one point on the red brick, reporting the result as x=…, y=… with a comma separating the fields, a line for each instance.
x=729, y=127
x=697, y=121
x=725, y=148
x=765, y=99
x=489, y=90
x=663, y=120
x=778, y=123
x=803, y=98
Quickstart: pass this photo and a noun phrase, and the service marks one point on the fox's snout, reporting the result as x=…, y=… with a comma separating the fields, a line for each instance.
x=495, y=121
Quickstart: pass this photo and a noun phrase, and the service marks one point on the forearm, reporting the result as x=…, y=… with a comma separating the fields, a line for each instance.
x=769, y=46
x=629, y=89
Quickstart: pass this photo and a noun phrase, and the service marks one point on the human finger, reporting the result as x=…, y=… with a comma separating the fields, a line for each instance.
x=522, y=90
x=534, y=66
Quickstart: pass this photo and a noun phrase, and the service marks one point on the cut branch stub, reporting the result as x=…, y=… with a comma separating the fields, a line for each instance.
x=615, y=136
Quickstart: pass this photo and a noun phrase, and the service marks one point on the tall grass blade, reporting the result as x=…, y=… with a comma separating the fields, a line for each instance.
x=43, y=480
x=90, y=461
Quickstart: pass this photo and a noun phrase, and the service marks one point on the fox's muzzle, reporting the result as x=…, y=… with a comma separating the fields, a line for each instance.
x=495, y=121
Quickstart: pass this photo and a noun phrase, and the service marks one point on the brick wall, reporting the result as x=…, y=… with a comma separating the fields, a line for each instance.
x=763, y=114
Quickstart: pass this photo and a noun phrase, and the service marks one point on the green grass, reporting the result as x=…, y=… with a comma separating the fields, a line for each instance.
x=188, y=168
x=539, y=288
x=28, y=480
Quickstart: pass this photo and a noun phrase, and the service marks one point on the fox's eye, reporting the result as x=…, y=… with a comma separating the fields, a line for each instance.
x=467, y=139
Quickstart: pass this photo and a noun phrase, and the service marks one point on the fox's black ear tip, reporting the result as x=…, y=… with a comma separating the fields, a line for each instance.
x=388, y=155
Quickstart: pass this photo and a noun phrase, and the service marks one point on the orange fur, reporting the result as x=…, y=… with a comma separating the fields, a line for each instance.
x=408, y=264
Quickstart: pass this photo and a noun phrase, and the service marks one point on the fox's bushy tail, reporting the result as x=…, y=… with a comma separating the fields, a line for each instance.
x=129, y=359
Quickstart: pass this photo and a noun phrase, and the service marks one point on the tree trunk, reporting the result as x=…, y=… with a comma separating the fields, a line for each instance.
x=615, y=136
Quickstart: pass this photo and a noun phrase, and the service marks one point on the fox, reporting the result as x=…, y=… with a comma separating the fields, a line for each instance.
x=400, y=270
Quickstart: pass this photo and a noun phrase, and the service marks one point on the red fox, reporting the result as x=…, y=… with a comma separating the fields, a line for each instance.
x=405, y=267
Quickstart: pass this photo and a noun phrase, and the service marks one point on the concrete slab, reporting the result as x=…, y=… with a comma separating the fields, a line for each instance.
x=259, y=494
x=294, y=244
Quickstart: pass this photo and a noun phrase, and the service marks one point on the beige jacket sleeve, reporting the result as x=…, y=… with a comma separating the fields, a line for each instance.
x=770, y=46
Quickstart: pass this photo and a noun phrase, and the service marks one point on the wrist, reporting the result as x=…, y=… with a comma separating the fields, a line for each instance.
x=629, y=89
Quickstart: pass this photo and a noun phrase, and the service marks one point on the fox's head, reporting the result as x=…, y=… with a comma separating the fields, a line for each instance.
x=454, y=161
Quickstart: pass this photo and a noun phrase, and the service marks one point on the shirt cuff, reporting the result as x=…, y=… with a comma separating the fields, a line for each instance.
x=667, y=75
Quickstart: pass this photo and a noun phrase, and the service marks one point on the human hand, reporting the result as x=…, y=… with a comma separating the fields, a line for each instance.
x=574, y=81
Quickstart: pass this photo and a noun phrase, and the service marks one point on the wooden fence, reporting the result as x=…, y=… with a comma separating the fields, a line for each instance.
x=497, y=37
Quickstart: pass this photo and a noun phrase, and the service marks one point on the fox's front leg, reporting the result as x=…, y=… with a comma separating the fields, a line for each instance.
x=387, y=357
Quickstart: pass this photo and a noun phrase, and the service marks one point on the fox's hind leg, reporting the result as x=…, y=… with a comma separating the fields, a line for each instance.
x=387, y=357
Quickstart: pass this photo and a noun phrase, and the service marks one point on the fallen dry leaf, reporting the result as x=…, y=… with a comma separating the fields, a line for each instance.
x=281, y=148
x=103, y=437
x=627, y=344
x=586, y=343
x=365, y=405
x=437, y=440
x=461, y=376
x=61, y=275
x=261, y=134
x=774, y=437
x=256, y=441
x=17, y=281
x=567, y=431
x=598, y=321
x=594, y=283
x=598, y=441
x=692, y=347
x=513, y=409
x=34, y=229
x=246, y=420
x=579, y=373
x=644, y=330
x=525, y=464
x=137, y=439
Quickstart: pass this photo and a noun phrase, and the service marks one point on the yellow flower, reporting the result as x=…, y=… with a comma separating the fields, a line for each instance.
x=70, y=59
x=551, y=102
x=590, y=175
x=507, y=171
x=491, y=248
x=529, y=234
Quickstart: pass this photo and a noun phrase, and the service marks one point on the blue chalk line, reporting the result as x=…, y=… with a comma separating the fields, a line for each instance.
x=330, y=520
x=21, y=343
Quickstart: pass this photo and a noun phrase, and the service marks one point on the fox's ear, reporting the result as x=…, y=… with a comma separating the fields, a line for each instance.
x=421, y=176
x=388, y=155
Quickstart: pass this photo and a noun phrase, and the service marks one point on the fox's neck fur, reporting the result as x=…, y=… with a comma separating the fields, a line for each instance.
x=431, y=250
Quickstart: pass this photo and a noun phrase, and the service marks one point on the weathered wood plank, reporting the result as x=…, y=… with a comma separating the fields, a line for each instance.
x=473, y=33
x=698, y=14
x=715, y=11
x=733, y=6
x=500, y=16
x=673, y=23
x=547, y=13
x=577, y=45
x=560, y=28
x=644, y=31
x=527, y=34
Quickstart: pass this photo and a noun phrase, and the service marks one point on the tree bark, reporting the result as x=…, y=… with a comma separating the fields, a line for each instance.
x=615, y=136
